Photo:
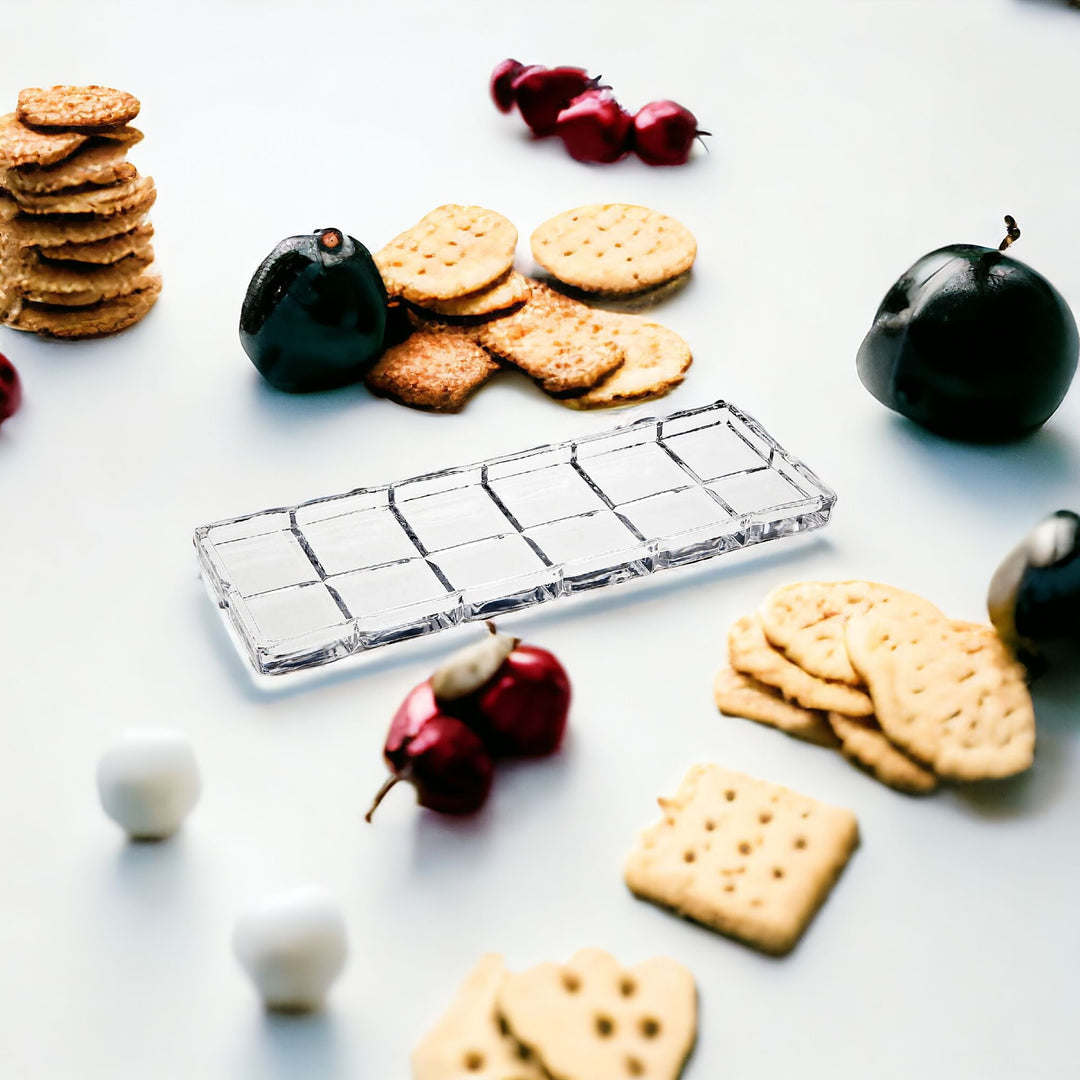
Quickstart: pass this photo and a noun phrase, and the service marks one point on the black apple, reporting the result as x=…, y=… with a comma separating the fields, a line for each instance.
x=971, y=344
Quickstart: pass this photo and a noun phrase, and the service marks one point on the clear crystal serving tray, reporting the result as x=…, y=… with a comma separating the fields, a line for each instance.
x=333, y=577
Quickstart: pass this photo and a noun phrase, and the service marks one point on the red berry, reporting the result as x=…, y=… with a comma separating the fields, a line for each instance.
x=664, y=132
x=443, y=759
x=542, y=93
x=502, y=80
x=595, y=128
x=10, y=389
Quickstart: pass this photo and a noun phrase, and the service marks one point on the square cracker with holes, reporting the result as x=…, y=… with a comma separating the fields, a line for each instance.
x=469, y=1043
x=745, y=857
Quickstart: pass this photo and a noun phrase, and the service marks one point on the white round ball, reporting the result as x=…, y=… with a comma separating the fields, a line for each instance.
x=148, y=780
x=293, y=945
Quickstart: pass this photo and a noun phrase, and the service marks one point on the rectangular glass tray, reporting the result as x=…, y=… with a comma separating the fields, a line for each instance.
x=310, y=584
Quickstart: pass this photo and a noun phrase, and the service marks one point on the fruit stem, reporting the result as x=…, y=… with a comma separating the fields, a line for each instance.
x=1012, y=233
x=491, y=630
x=699, y=136
x=388, y=783
x=330, y=239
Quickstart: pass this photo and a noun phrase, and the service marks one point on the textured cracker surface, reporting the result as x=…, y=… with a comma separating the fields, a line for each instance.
x=563, y=344
x=98, y=320
x=507, y=292
x=805, y=621
x=76, y=107
x=740, y=695
x=47, y=283
x=467, y=1043
x=55, y=230
x=863, y=742
x=437, y=367
x=657, y=360
x=742, y=856
x=749, y=652
x=592, y=1019
x=96, y=163
x=948, y=693
x=450, y=252
x=613, y=247
x=110, y=250
x=101, y=201
x=19, y=145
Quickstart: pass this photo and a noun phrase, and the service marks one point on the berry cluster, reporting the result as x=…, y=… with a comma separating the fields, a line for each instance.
x=594, y=127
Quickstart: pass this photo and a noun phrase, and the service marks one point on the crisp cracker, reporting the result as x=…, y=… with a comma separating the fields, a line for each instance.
x=948, y=693
x=657, y=360
x=56, y=230
x=510, y=291
x=805, y=621
x=750, y=653
x=437, y=367
x=450, y=252
x=740, y=695
x=468, y=1043
x=75, y=286
x=614, y=247
x=863, y=742
x=105, y=252
x=20, y=145
x=592, y=1019
x=85, y=107
x=100, y=201
x=742, y=856
x=98, y=320
x=563, y=344
x=97, y=162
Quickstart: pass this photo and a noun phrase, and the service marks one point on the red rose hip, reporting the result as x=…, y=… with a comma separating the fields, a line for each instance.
x=502, y=83
x=10, y=389
x=542, y=93
x=595, y=128
x=664, y=132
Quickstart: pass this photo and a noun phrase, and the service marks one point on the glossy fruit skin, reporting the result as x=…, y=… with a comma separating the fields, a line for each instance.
x=10, y=389
x=971, y=344
x=664, y=132
x=444, y=759
x=314, y=317
x=542, y=93
x=502, y=83
x=595, y=128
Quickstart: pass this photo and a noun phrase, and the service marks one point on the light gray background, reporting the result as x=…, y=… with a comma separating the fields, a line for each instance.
x=850, y=138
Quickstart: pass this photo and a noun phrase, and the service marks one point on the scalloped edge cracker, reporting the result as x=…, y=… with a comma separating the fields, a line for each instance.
x=736, y=694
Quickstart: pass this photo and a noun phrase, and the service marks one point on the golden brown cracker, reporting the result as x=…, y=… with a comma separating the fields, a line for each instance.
x=98, y=162
x=948, y=693
x=56, y=230
x=749, y=652
x=745, y=857
x=76, y=286
x=105, y=252
x=510, y=291
x=560, y=342
x=805, y=621
x=656, y=361
x=100, y=201
x=20, y=145
x=863, y=742
x=437, y=368
x=450, y=252
x=86, y=107
x=593, y=1019
x=614, y=247
x=740, y=695
x=98, y=320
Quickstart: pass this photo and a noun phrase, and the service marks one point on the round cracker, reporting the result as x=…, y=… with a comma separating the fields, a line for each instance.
x=805, y=621
x=863, y=742
x=508, y=292
x=614, y=247
x=98, y=320
x=102, y=202
x=85, y=107
x=450, y=252
x=19, y=145
x=657, y=360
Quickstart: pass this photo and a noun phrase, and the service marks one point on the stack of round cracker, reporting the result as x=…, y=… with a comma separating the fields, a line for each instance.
x=75, y=253
x=474, y=313
x=903, y=691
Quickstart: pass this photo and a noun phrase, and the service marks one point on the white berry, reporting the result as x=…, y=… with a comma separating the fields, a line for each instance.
x=148, y=780
x=293, y=945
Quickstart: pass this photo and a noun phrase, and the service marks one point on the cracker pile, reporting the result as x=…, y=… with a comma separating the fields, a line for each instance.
x=75, y=253
x=589, y=1019
x=473, y=313
x=908, y=694
x=742, y=856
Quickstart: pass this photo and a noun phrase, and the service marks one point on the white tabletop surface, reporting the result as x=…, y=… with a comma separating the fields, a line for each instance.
x=849, y=138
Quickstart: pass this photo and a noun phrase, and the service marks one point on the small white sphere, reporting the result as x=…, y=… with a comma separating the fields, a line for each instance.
x=148, y=780
x=293, y=945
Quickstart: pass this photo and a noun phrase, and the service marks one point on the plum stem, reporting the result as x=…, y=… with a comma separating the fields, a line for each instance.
x=388, y=783
x=699, y=135
x=1012, y=233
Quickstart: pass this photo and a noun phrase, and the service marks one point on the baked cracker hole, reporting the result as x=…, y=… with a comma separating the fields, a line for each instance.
x=649, y=1027
x=571, y=983
x=605, y=1026
x=627, y=986
x=474, y=1061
